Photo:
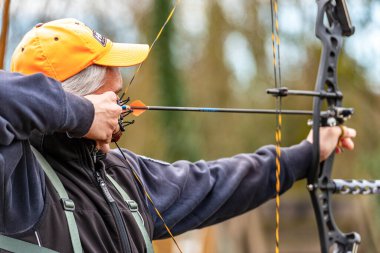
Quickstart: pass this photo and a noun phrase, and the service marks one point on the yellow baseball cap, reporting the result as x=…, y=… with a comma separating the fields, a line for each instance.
x=63, y=48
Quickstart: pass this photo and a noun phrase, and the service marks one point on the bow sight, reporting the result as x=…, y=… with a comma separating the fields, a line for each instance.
x=331, y=117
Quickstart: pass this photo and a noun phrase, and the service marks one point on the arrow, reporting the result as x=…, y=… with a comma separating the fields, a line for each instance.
x=138, y=107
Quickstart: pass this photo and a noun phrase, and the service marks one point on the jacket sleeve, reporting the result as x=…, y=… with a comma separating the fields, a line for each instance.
x=195, y=195
x=38, y=102
x=30, y=103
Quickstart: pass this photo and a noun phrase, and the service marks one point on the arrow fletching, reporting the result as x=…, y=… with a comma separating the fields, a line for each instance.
x=137, y=107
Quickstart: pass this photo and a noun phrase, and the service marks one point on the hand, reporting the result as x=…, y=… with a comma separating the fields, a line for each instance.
x=105, y=122
x=333, y=138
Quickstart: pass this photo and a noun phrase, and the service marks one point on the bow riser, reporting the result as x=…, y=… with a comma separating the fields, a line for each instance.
x=319, y=179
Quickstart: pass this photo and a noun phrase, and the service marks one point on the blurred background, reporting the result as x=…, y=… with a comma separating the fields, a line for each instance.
x=217, y=53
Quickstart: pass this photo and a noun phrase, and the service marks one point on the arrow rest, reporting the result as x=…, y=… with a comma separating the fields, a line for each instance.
x=333, y=117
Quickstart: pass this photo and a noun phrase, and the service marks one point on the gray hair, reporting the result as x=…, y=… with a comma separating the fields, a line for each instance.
x=87, y=81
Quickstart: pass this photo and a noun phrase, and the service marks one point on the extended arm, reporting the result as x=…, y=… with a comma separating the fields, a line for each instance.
x=194, y=195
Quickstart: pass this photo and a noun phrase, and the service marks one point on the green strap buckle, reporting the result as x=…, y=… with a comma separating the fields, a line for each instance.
x=133, y=206
x=68, y=204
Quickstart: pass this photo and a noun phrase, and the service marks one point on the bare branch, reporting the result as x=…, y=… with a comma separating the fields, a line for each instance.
x=4, y=31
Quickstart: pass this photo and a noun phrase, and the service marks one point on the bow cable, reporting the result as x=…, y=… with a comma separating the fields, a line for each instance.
x=175, y=4
x=135, y=174
x=277, y=80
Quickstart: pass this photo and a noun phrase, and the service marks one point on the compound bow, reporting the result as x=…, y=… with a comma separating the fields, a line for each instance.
x=320, y=185
x=332, y=24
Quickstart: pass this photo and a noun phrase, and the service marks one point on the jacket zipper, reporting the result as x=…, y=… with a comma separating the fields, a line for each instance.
x=115, y=212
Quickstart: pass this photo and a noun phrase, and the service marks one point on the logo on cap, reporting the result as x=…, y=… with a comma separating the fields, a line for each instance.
x=102, y=40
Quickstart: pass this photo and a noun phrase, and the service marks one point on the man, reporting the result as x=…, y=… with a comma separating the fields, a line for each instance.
x=189, y=195
x=23, y=103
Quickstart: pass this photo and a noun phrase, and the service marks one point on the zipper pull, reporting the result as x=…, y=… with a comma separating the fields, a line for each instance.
x=93, y=151
x=94, y=156
x=104, y=187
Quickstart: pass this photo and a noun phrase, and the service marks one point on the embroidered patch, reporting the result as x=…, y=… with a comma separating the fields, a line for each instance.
x=102, y=40
x=154, y=160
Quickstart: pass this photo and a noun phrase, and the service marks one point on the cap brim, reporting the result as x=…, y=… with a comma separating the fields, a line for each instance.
x=124, y=55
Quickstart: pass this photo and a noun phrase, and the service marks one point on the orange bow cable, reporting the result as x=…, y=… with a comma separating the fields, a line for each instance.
x=277, y=79
x=135, y=174
x=176, y=3
x=130, y=83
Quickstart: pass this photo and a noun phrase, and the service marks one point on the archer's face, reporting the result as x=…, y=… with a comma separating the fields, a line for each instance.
x=113, y=82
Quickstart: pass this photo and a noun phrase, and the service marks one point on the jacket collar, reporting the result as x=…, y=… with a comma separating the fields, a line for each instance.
x=68, y=155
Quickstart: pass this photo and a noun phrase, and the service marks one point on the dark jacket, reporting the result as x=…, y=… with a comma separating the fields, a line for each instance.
x=189, y=195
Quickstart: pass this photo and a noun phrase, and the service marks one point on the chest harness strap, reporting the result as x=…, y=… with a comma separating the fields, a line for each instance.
x=67, y=203
x=133, y=207
x=19, y=246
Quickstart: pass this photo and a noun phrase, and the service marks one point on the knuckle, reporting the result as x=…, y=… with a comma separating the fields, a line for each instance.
x=117, y=109
x=112, y=95
x=109, y=136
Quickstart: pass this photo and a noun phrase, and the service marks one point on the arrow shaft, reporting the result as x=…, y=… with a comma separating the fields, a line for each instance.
x=220, y=110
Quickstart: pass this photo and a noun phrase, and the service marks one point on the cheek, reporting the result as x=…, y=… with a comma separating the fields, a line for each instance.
x=103, y=89
x=109, y=86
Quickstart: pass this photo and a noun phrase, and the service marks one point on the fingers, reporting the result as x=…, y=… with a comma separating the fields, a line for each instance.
x=334, y=139
x=113, y=106
x=111, y=95
x=347, y=143
x=112, y=124
x=348, y=132
x=345, y=139
x=107, y=113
